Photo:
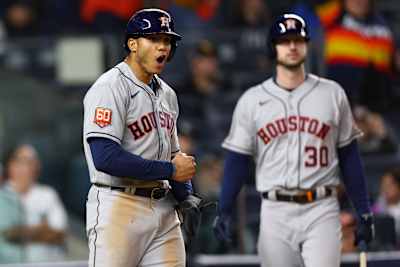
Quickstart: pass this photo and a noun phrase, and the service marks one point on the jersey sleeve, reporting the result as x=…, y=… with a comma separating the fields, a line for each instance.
x=348, y=130
x=241, y=137
x=175, y=147
x=104, y=113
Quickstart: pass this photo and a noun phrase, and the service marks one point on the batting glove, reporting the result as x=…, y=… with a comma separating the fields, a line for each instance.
x=222, y=228
x=365, y=231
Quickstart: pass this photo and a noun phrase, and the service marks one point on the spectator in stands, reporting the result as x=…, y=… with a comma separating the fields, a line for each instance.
x=11, y=213
x=21, y=17
x=245, y=25
x=249, y=14
x=348, y=223
x=186, y=141
x=307, y=10
x=41, y=230
x=105, y=16
x=209, y=177
x=389, y=197
x=32, y=17
x=205, y=98
x=359, y=49
x=378, y=136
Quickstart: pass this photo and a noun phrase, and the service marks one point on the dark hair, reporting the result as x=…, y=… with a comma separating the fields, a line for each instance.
x=10, y=154
x=395, y=172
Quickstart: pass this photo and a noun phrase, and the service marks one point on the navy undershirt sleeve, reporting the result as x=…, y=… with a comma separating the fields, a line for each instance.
x=236, y=171
x=181, y=190
x=109, y=157
x=353, y=177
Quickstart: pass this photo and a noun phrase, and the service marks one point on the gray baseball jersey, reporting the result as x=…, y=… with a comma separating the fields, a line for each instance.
x=122, y=108
x=125, y=229
x=293, y=136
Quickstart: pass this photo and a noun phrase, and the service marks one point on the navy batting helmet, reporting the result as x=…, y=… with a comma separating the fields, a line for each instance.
x=151, y=21
x=286, y=24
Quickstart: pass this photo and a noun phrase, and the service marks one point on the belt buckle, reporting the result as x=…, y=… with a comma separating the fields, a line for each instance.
x=158, y=193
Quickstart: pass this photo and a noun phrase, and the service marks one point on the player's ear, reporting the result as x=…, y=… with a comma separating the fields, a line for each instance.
x=132, y=44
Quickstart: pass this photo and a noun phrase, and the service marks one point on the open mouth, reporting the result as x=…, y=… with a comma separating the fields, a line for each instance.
x=161, y=59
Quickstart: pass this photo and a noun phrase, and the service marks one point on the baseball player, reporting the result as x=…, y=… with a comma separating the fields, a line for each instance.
x=299, y=129
x=132, y=151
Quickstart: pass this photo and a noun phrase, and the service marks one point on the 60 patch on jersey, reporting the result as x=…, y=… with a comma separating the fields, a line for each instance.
x=103, y=117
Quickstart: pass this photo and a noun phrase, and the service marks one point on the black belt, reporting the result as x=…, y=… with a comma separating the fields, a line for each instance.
x=306, y=196
x=150, y=192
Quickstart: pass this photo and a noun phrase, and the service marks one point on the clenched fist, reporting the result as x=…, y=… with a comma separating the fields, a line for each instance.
x=185, y=167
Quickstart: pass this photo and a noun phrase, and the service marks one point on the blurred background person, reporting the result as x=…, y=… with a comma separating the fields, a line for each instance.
x=249, y=14
x=378, y=136
x=388, y=201
x=206, y=97
x=359, y=49
x=348, y=223
x=42, y=231
x=21, y=17
x=29, y=18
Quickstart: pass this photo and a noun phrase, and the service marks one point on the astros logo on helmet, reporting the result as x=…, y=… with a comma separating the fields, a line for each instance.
x=151, y=21
x=284, y=25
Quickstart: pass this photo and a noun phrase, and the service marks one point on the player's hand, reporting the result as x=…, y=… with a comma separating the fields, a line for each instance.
x=185, y=167
x=365, y=231
x=222, y=228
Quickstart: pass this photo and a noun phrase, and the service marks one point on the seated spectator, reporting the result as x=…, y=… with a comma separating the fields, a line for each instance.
x=41, y=232
x=249, y=14
x=21, y=17
x=378, y=136
x=388, y=201
x=205, y=97
x=209, y=177
x=32, y=17
x=11, y=213
x=348, y=223
x=307, y=10
x=359, y=50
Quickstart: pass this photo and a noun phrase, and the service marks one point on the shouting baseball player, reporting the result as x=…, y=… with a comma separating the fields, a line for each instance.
x=131, y=147
x=299, y=129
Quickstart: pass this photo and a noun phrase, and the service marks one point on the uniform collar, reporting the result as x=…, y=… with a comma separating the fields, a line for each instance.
x=127, y=71
x=272, y=87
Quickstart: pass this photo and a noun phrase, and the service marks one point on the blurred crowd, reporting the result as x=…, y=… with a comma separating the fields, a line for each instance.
x=224, y=53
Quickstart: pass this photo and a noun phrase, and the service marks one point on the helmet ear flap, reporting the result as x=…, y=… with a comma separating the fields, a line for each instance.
x=271, y=50
x=174, y=45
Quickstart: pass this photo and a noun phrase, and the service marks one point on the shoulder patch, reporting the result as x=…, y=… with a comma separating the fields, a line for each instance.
x=103, y=117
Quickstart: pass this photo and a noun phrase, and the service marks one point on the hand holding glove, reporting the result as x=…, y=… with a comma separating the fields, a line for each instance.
x=190, y=210
x=222, y=228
